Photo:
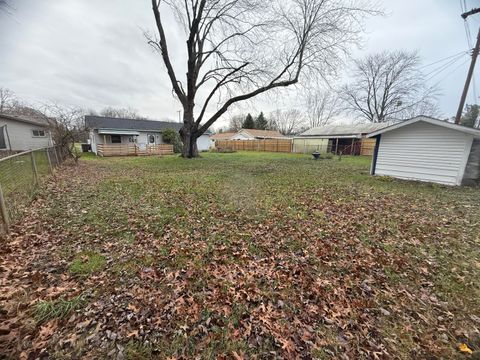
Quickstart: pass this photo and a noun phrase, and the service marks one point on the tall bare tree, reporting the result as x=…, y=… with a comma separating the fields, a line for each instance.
x=321, y=107
x=238, y=49
x=388, y=84
x=288, y=122
x=127, y=113
x=236, y=122
x=7, y=98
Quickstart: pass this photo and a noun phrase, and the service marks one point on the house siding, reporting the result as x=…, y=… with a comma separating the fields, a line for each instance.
x=424, y=152
x=21, y=136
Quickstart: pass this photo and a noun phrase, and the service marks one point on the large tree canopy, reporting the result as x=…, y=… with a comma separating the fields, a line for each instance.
x=238, y=49
x=389, y=84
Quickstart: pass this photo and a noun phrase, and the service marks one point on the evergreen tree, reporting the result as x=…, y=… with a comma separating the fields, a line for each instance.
x=471, y=115
x=248, y=123
x=261, y=123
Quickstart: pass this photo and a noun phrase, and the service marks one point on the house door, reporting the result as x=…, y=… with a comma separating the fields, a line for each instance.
x=151, y=139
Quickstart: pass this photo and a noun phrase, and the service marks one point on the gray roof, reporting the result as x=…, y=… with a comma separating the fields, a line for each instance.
x=103, y=122
x=26, y=119
x=343, y=130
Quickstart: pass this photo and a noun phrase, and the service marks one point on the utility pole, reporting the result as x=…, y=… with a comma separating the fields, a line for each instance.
x=179, y=115
x=470, y=70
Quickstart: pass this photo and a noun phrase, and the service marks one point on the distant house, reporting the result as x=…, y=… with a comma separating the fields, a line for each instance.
x=222, y=136
x=345, y=139
x=428, y=149
x=20, y=133
x=254, y=134
x=142, y=133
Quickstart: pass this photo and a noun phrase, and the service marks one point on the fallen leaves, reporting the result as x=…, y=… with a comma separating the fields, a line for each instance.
x=244, y=258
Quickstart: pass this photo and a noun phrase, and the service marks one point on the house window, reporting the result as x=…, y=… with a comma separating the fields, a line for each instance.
x=131, y=139
x=38, y=133
x=116, y=139
x=151, y=139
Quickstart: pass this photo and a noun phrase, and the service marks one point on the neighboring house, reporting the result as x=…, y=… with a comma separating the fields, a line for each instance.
x=20, y=133
x=107, y=130
x=254, y=134
x=222, y=136
x=428, y=149
x=345, y=139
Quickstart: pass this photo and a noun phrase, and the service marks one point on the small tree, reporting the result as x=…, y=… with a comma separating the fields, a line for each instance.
x=470, y=117
x=67, y=126
x=236, y=122
x=248, y=123
x=260, y=122
x=289, y=122
x=172, y=137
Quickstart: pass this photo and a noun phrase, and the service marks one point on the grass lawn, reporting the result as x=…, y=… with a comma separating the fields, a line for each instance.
x=245, y=255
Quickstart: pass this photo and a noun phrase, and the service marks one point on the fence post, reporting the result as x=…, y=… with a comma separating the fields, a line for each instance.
x=34, y=165
x=56, y=155
x=3, y=210
x=49, y=160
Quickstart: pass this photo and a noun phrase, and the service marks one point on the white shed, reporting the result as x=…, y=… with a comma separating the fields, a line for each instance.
x=428, y=149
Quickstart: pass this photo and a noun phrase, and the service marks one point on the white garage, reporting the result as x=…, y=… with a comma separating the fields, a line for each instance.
x=428, y=149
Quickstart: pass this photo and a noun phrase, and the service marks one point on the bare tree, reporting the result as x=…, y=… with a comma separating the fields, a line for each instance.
x=127, y=113
x=289, y=122
x=238, y=49
x=388, y=84
x=7, y=98
x=67, y=126
x=321, y=107
x=236, y=122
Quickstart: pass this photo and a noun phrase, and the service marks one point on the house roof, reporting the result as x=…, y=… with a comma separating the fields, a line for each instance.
x=25, y=119
x=330, y=131
x=222, y=136
x=430, y=120
x=263, y=133
x=104, y=122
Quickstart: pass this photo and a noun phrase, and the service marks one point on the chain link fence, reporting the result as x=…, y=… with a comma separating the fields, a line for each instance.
x=20, y=176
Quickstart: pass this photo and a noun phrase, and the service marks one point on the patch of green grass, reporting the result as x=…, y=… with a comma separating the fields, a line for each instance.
x=60, y=308
x=138, y=351
x=87, y=263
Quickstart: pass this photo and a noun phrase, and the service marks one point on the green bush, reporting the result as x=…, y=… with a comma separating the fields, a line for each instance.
x=171, y=136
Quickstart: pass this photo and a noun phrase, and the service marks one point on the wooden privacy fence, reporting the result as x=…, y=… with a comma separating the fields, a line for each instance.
x=133, y=149
x=20, y=175
x=272, y=145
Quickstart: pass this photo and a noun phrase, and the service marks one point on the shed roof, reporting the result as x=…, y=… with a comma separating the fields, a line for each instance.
x=343, y=130
x=430, y=120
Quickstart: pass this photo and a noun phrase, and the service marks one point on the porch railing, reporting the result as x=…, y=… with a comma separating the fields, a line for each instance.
x=133, y=150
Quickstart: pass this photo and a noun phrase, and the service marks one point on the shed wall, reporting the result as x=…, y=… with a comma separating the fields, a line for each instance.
x=21, y=135
x=424, y=152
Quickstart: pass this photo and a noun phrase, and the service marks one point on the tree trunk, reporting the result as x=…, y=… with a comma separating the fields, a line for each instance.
x=189, y=134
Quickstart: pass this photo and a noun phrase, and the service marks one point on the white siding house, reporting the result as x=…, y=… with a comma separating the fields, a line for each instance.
x=21, y=133
x=107, y=130
x=427, y=149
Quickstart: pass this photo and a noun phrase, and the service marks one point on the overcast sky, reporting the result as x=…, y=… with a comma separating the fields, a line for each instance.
x=93, y=54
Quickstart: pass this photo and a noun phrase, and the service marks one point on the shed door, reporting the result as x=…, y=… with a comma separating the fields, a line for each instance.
x=424, y=152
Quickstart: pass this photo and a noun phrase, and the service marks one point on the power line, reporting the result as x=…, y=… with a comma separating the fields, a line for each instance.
x=446, y=58
x=437, y=71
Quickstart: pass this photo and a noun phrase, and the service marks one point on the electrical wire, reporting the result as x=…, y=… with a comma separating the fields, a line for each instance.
x=444, y=59
x=437, y=71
